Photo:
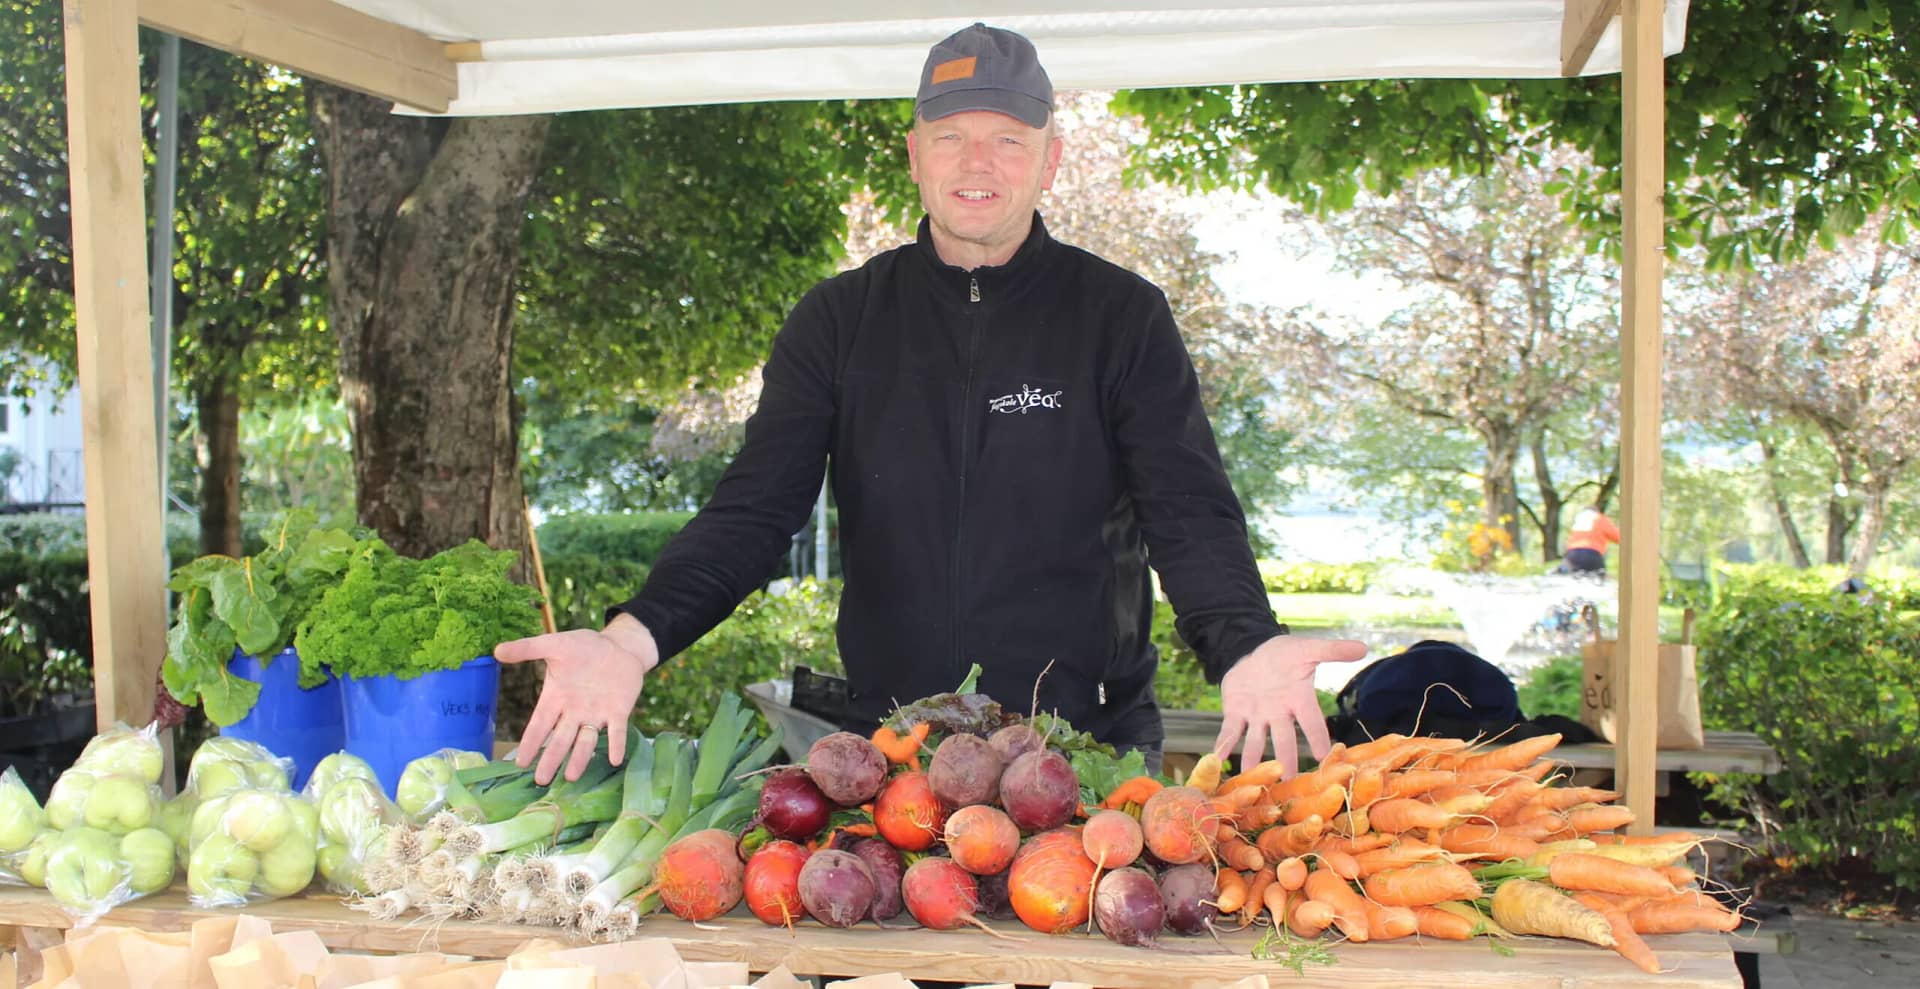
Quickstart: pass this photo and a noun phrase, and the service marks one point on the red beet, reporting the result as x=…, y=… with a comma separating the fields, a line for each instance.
x=941, y=895
x=792, y=806
x=1128, y=907
x=907, y=814
x=847, y=768
x=1186, y=892
x=1015, y=740
x=836, y=887
x=1040, y=791
x=884, y=861
x=773, y=883
x=965, y=770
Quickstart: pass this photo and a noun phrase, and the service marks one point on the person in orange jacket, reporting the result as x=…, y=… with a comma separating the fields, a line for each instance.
x=1587, y=543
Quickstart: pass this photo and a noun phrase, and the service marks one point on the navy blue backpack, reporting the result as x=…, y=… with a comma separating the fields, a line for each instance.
x=1463, y=695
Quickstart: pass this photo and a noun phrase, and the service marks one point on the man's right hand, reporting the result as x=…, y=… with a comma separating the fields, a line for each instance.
x=593, y=681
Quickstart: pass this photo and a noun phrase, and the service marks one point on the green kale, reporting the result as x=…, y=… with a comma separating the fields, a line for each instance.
x=395, y=616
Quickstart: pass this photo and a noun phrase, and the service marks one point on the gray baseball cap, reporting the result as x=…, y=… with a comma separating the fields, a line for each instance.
x=985, y=68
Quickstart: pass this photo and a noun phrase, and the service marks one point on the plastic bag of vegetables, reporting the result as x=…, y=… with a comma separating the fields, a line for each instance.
x=250, y=844
x=21, y=821
x=114, y=802
x=90, y=871
x=124, y=751
x=222, y=764
x=427, y=786
x=355, y=815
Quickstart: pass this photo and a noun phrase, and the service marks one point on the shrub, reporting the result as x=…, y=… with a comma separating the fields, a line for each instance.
x=1553, y=687
x=46, y=628
x=1315, y=578
x=1832, y=682
x=764, y=639
x=581, y=588
x=634, y=537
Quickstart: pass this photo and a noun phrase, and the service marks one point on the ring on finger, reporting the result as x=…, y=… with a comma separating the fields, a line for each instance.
x=589, y=729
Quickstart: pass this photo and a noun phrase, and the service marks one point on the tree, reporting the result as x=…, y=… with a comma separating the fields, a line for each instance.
x=248, y=268
x=1507, y=334
x=1828, y=345
x=1799, y=108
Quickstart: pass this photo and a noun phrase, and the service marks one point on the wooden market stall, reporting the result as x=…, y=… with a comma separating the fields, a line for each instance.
x=504, y=56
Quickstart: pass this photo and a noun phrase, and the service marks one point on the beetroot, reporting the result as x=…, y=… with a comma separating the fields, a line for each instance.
x=700, y=876
x=996, y=900
x=792, y=807
x=941, y=895
x=886, y=865
x=1128, y=907
x=982, y=839
x=836, y=887
x=773, y=883
x=847, y=768
x=907, y=814
x=1016, y=740
x=965, y=770
x=1040, y=791
x=1186, y=891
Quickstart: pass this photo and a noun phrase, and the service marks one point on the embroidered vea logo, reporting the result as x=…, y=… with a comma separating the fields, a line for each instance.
x=1025, y=400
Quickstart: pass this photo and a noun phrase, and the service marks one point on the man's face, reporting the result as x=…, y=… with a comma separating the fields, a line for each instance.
x=980, y=175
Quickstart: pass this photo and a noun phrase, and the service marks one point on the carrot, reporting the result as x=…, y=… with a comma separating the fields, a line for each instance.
x=1598, y=817
x=1421, y=885
x=1659, y=838
x=1277, y=899
x=1349, y=910
x=1385, y=923
x=1485, y=838
x=1205, y=776
x=902, y=750
x=1256, y=896
x=1563, y=797
x=1309, y=918
x=1509, y=798
x=1436, y=923
x=1482, y=924
x=861, y=829
x=1625, y=939
x=1403, y=814
x=1527, y=907
x=1363, y=842
x=1263, y=775
x=1326, y=803
x=1133, y=791
x=1339, y=863
x=1679, y=875
x=1414, y=782
x=1235, y=851
x=1365, y=787
x=1311, y=783
x=1464, y=802
x=1241, y=798
x=1291, y=873
x=1291, y=839
x=1397, y=857
x=1511, y=757
x=1374, y=748
x=1489, y=777
x=1680, y=915
x=1351, y=822
x=1229, y=891
x=1650, y=855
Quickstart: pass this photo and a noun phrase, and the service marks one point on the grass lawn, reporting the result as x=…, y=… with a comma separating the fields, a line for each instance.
x=1307, y=611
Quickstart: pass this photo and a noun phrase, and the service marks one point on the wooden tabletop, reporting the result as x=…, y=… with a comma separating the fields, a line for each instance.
x=1693, y=961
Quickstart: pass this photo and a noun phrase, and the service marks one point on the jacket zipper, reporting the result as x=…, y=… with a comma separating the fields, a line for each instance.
x=960, y=509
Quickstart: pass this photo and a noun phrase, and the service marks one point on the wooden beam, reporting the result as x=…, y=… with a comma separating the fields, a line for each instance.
x=319, y=39
x=1580, y=29
x=126, y=548
x=1643, y=204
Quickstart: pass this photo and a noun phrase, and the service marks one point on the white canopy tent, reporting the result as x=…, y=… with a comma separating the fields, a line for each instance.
x=475, y=57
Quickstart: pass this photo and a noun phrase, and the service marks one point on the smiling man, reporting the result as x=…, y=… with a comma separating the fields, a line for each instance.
x=1010, y=426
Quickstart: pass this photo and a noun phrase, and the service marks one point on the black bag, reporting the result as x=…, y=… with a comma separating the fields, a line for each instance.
x=1433, y=688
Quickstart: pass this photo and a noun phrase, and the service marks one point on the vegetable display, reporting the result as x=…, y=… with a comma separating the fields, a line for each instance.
x=97, y=844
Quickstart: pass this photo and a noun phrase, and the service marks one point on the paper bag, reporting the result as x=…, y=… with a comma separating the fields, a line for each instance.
x=1678, y=711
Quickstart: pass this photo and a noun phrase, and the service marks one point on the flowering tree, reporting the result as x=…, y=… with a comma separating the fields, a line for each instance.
x=1826, y=347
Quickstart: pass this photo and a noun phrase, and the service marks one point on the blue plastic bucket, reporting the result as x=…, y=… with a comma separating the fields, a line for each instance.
x=301, y=724
x=391, y=722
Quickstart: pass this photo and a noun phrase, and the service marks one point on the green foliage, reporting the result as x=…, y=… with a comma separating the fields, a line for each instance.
x=1181, y=681
x=1832, y=682
x=581, y=588
x=579, y=459
x=391, y=615
x=1315, y=578
x=1553, y=687
x=764, y=639
x=636, y=537
x=1782, y=127
x=46, y=635
x=253, y=604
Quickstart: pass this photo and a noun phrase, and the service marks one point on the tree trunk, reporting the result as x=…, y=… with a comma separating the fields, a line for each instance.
x=219, y=408
x=1498, y=493
x=1796, y=546
x=1551, y=503
x=1840, y=520
x=1866, y=539
x=424, y=219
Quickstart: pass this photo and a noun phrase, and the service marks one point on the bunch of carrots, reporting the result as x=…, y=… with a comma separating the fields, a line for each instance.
x=1428, y=836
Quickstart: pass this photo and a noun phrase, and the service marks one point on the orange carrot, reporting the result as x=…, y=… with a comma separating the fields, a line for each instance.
x=1563, y=797
x=1490, y=777
x=1277, y=899
x=1256, y=896
x=1385, y=923
x=1229, y=891
x=1375, y=748
x=1436, y=923
x=1509, y=798
x=1511, y=757
x=1339, y=863
x=1580, y=870
x=1363, y=842
x=1414, y=782
x=1328, y=802
x=1398, y=857
x=1495, y=842
x=1235, y=851
x=902, y=750
x=1680, y=916
x=1402, y=814
x=1309, y=918
x=1133, y=791
x=1422, y=885
x=1349, y=910
x=1365, y=787
x=1625, y=939
x=1291, y=839
x=1463, y=801
x=1598, y=817
x=1263, y=775
x=1291, y=872
x=1679, y=875
x=1351, y=822
x=1311, y=783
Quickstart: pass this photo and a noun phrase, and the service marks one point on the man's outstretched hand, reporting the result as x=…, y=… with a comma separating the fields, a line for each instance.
x=593, y=681
x=1270, y=691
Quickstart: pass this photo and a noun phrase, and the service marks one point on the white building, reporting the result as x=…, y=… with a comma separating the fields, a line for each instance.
x=40, y=465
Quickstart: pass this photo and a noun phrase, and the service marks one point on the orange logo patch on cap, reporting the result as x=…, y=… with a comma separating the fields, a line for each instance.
x=959, y=68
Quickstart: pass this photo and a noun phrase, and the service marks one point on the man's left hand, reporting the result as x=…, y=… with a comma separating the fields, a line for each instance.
x=1271, y=690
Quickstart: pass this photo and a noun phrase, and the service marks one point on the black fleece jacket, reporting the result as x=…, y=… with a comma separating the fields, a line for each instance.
x=1008, y=445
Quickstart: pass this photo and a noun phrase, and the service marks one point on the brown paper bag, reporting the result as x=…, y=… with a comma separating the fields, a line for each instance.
x=781, y=978
x=118, y=956
x=1678, y=711
x=344, y=970
x=270, y=962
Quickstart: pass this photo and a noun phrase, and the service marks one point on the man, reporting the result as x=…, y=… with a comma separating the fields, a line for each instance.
x=1586, y=551
x=1012, y=425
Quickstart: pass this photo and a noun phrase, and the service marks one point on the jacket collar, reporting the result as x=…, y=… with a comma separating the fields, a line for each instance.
x=995, y=281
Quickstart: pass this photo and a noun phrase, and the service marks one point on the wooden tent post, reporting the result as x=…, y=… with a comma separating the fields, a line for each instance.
x=1643, y=122
x=126, y=554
